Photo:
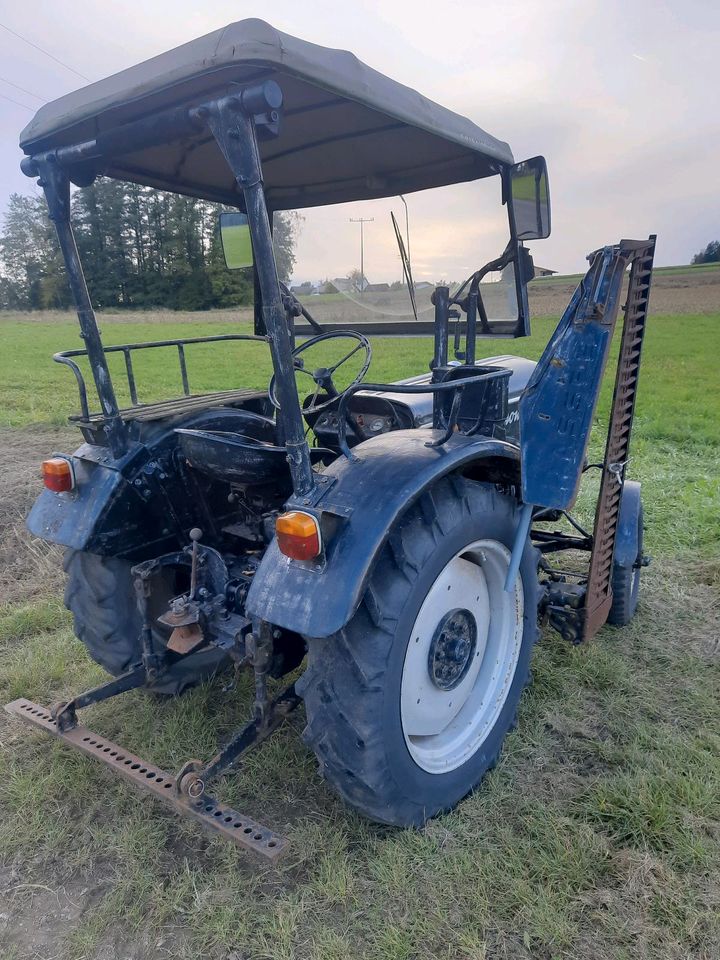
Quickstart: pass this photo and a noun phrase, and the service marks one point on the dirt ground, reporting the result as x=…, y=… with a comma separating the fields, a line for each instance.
x=671, y=293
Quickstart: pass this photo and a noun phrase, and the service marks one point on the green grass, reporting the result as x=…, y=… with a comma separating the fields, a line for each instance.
x=597, y=836
x=677, y=429
x=679, y=367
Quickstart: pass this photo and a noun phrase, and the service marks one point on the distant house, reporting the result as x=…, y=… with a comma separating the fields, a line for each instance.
x=302, y=289
x=377, y=287
x=424, y=285
x=543, y=272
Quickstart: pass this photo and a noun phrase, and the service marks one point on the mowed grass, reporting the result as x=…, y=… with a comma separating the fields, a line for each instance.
x=598, y=835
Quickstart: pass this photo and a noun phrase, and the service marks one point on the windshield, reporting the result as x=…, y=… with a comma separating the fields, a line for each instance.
x=349, y=258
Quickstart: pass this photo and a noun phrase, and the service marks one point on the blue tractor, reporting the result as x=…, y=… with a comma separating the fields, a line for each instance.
x=390, y=548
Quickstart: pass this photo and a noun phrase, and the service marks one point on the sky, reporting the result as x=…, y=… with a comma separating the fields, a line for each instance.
x=620, y=97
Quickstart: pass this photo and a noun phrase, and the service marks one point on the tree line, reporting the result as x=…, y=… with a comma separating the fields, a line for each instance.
x=711, y=253
x=139, y=247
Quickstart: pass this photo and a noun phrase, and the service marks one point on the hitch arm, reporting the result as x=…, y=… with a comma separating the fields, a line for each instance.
x=65, y=714
x=193, y=777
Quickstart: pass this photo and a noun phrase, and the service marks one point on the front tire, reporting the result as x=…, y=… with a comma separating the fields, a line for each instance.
x=408, y=706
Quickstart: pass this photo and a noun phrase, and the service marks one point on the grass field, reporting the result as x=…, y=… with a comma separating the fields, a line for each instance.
x=681, y=269
x=598, y=835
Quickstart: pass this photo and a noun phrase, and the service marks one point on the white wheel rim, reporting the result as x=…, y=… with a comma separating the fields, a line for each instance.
x=444, y=728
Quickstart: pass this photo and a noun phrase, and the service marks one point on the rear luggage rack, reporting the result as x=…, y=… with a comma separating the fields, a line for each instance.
x=66, y=357
x=179, y=406
x=149, y=778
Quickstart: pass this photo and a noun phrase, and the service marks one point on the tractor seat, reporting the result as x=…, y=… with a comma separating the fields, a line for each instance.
x=246, y=458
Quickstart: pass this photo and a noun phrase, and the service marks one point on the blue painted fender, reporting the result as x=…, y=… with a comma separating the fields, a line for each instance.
x=364, y=497
x=627, y=540
x=72, y=519
x=136, y=506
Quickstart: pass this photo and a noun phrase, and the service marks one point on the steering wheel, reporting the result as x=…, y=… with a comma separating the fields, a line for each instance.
x=323, y=375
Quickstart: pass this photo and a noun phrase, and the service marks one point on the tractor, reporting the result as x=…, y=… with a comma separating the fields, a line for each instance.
x=388, y=548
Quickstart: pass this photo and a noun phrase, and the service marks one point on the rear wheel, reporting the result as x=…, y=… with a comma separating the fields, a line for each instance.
x=101, y=597
x=409, y=704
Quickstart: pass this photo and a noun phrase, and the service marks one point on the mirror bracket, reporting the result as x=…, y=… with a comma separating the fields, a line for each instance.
x=525, y=265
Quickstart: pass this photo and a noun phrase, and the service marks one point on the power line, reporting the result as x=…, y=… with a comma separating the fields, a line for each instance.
x=17, y=103
x=52, y=56
x=23, y=90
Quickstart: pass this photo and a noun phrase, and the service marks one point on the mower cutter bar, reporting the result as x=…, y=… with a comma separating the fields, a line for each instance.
x=206, y=810
x=598, y=598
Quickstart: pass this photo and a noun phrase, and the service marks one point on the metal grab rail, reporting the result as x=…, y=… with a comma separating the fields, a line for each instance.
x=456, y=385
x=65, y=357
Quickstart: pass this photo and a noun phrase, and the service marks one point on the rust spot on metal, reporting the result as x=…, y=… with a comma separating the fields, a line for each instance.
x=183, y=639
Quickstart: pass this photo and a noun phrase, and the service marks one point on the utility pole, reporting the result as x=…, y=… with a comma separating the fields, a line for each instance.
x=362, y=221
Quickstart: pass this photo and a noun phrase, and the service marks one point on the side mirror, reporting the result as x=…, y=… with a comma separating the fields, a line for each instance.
x=530, y=200
x=235, y=239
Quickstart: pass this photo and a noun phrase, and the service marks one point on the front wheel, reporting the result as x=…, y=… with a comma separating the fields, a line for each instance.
x=408, y=705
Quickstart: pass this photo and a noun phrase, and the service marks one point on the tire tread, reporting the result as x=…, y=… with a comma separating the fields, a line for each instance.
x=342, y=686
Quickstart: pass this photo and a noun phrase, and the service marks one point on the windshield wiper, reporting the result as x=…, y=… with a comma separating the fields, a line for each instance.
x=406, y=265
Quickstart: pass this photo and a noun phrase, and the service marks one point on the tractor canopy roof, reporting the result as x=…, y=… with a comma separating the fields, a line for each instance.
x=347, y=132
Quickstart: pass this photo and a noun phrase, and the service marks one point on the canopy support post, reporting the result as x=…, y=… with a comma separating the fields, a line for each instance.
x=232, y=121
x=56, y=187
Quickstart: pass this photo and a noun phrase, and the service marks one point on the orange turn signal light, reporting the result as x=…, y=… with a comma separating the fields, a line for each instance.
x=298, y=535
x=58, y=474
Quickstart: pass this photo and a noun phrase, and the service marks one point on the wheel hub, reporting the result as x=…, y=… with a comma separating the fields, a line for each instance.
x=461, y=657
x=452, y=649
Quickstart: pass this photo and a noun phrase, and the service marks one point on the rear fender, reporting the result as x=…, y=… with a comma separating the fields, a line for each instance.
x=136, y=506
x=78, y=518
x=363, y=497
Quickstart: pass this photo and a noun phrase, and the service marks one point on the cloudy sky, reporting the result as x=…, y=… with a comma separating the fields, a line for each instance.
x=621, y=97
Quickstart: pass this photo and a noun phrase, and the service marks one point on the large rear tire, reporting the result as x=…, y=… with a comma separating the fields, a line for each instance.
x=408, y=706
x=101, y=597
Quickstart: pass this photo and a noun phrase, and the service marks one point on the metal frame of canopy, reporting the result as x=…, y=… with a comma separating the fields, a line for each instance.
x=240, y=124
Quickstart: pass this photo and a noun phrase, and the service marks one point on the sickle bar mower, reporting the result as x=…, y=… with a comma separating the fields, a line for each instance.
x=598, y=599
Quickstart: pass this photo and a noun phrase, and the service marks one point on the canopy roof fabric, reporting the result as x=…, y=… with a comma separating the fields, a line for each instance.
x=347, y=132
